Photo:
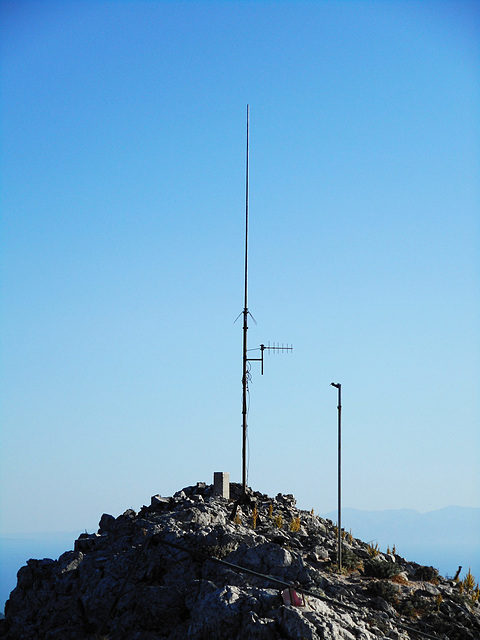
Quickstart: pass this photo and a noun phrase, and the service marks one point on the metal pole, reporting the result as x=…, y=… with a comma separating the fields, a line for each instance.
x=339, y=407
x=245, y=329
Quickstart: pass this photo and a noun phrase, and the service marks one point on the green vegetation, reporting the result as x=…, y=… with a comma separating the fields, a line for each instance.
x=351, y=562
x=377, y=568
x=427, y=574
x=386, y=590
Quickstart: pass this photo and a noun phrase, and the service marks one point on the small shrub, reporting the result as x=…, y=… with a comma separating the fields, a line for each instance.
x=467, y=586
x=238, y=519
x=422, y=604
x=270, y=510
x=385, y=590
x=295, y=524
x=407, y=609
x=373, y=549
x=278, y=520
x=415, y=606
x=476, y=594
x=334, y=568
x=439, y=601
x=469, y=581
x=254, y=517
x=351, y=562
x=426, y=574
x=377, y=568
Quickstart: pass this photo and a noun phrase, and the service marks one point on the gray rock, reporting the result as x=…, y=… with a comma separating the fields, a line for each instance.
x=428, y=589
x=159, y=503
x=293, y=624
x=69, y=561
x=106, y=524
x=128, y=583
x=320, y=553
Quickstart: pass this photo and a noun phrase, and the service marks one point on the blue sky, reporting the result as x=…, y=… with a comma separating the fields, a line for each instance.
x=123, y=198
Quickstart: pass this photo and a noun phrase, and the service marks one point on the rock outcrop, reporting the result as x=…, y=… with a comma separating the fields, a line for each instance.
x=182, y=568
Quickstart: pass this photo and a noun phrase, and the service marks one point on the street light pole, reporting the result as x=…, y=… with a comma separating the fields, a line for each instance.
x=339, y=407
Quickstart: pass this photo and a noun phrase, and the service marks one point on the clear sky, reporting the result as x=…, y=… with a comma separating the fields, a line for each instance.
x=123, y=200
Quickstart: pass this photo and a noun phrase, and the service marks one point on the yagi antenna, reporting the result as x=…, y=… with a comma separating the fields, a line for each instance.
x=276, y=348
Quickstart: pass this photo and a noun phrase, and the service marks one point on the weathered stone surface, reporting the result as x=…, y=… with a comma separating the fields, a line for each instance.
x=221, y=484
x=429, y=589
x=156, y=575
x=106, y=524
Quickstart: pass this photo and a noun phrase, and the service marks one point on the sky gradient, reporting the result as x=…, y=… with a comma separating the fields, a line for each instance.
x=123, y=201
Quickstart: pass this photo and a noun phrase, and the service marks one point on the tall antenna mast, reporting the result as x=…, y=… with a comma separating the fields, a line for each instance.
x=245, y=326
x=276, y=348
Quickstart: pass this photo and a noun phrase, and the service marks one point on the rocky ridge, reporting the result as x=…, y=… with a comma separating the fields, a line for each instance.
x=182, y=568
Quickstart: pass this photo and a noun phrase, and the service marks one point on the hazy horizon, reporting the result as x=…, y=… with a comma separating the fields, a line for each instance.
x=330, y=514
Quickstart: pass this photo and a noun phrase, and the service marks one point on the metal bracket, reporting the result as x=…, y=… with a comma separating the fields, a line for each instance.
x=275, y=348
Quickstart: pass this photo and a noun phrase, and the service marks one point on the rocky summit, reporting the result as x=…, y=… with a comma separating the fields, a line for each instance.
x=202, y=567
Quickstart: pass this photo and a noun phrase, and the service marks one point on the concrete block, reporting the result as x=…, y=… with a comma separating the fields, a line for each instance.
x=221, y=484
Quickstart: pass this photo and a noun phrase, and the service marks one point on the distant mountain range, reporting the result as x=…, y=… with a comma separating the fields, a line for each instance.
x=445, y=539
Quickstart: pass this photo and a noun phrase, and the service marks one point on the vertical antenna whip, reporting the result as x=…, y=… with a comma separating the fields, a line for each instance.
x=245, y=328
x=276, y=348
x=246, y=213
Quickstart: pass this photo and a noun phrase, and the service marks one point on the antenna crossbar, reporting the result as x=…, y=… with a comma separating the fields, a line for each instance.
x=276, y=348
